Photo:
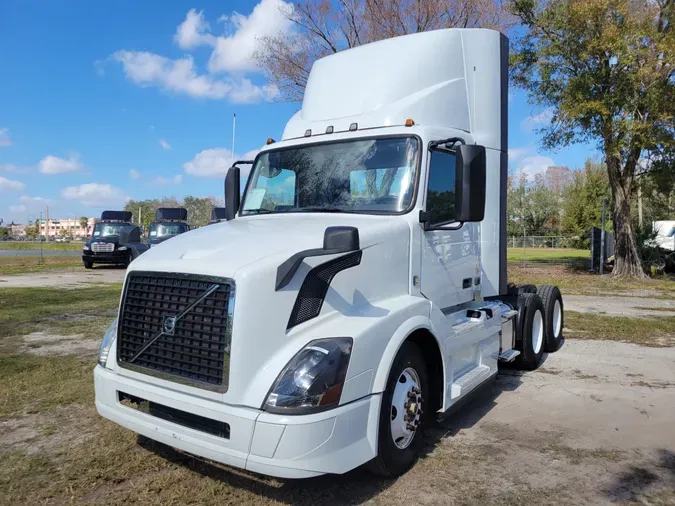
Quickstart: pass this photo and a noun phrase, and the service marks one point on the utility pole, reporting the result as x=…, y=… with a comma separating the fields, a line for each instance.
x=41, y=258
x=602, y=237
x=46, y=224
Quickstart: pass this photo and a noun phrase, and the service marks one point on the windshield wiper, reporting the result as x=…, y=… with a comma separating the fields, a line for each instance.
x=258, y=211
x=318, y=209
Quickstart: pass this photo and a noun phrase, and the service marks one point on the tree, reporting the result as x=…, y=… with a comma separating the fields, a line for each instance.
x=604, y=68
x=532, y=205
x=324, y=27
x=4, y=232
x=199, y=210
x=582, y=201
x=147, y=210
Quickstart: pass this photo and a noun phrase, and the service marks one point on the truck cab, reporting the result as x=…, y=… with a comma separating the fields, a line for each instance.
x=169, y=222
x=114, y=241
x=358, y=287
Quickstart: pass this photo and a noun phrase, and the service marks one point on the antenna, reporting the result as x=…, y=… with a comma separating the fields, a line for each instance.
x=234, y=128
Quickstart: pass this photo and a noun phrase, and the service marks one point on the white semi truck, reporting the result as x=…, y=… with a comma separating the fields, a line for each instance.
x=358, y=287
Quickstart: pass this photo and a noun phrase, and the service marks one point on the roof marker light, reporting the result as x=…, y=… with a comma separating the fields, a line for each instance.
x=270, y=141
x=409, y=122
x=308, y=133
x=329, y=129
x=353, y=127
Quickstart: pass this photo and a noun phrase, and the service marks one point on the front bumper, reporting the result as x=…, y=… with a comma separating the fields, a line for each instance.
x=115, y=257
x=334, y=441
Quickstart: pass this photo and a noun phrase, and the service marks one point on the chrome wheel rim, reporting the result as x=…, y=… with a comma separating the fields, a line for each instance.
x=537, y=332
x=557, y=319
x=406, y=408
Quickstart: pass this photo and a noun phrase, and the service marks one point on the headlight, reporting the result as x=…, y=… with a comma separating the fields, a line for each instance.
x=86, y=247
x=122, y=248
x=313, y=380
x=106, y=344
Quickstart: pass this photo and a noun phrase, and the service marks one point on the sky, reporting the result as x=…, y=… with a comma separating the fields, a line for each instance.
x=101, y=102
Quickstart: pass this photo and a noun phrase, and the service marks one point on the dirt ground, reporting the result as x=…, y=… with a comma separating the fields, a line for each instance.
x=64, y=279
x=594, y=425
x=639, y=307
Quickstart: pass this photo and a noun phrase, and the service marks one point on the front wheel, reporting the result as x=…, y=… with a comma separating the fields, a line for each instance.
x=402, y=416
x=88, y=265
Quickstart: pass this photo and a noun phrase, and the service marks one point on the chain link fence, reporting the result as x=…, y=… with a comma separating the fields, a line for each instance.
x=533, y=250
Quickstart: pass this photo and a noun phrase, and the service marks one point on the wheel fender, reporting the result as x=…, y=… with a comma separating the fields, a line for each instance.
x=402, y=333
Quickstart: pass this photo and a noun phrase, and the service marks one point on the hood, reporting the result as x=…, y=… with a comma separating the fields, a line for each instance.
x=224, y=248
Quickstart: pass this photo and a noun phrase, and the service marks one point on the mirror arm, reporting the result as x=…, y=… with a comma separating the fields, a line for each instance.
x=444, y=142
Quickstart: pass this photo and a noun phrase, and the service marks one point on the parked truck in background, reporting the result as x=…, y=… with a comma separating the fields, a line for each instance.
x=114, y=240
x=358, y=287
x=169, y=222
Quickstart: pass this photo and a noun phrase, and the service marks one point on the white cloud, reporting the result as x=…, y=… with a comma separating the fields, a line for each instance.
x=180, y=76
x=5, y=139
x=161, y=180
x=516, y=154
x=210, y=163
x=95, y=195
x=533, y=165
x=234, y=53
x=134, y=174
x=194, y=31
x=216, y=161
x=537, y=120
x=18, y=209
x=250, y=155
x=54, y=165
x=165, y=145
x=10, y=184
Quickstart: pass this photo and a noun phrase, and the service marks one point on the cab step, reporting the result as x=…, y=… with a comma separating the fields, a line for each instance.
x=468, y=381
x=509, y=356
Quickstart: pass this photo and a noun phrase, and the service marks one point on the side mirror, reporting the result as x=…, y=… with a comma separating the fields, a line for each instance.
x=232, y=195
x=470, y=183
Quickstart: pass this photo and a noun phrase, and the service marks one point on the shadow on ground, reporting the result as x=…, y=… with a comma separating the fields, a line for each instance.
x=357, y=486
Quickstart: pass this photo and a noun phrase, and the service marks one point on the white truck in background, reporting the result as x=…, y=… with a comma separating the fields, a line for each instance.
x=357, y=288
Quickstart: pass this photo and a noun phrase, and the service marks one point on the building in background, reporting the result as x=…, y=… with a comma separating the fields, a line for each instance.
x=71, y=228
x=17, y=231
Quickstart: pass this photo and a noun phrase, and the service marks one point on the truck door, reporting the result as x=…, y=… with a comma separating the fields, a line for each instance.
x=450, y=252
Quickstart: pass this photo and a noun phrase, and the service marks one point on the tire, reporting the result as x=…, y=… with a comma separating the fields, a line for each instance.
x=530, y=338
x=395, y=458
x=553, y=317
x=88, y=265
x=527, y=289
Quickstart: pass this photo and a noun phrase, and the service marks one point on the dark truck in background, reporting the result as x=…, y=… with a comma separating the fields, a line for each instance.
x=169, y=222
x=218, y=214
x=114, y=241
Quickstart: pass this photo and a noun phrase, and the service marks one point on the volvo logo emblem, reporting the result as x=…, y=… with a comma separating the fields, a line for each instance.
x=169, y=325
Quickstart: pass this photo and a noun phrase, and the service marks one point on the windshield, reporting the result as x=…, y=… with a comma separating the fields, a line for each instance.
x=366, y=176
x=108, y=229
x=166, y=229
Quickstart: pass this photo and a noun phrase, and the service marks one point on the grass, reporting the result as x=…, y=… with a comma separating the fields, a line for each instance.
x=547, y=254
x=90, y=309
x=581, y=282
x=46, y=246
x=654, y=332
x=26, y=264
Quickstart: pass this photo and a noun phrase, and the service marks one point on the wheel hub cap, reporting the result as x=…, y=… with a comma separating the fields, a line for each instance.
x=406, y=408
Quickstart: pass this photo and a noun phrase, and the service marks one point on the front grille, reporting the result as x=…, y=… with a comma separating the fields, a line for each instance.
x=178, y=327
x=102, y=247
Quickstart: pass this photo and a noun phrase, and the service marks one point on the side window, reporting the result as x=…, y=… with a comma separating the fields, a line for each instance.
x=441, y=188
